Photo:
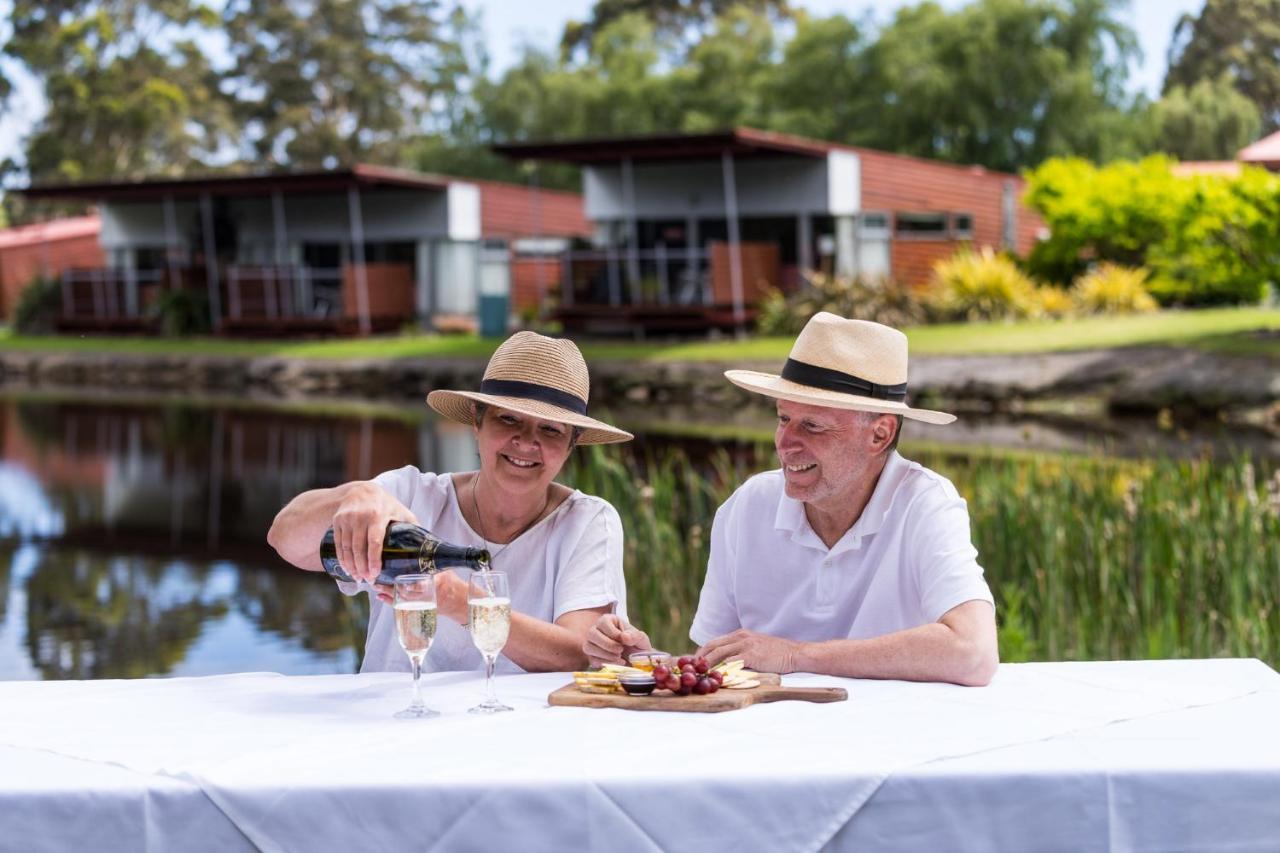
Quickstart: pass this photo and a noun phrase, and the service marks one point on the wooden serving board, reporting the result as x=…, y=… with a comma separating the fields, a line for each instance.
x=770, y=690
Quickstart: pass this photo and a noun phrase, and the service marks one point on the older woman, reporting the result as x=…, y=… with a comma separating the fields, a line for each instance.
x=561, y=549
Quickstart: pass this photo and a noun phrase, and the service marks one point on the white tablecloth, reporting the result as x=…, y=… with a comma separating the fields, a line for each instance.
x=1077, y=756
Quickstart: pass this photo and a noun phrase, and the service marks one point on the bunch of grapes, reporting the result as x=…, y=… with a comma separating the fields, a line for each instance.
x=689, y=675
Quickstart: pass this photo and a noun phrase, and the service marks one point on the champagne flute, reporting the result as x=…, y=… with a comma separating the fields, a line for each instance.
x=489, y=615
x=415, y=609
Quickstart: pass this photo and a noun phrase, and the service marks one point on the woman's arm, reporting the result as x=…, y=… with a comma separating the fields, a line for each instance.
x=533, y=644
x=359, y=513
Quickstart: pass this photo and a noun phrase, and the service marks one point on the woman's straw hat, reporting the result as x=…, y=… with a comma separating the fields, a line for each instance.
x=537, y=376
x=843, y=364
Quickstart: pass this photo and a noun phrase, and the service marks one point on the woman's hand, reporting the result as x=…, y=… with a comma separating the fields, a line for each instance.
x=611, y=639
x=451, y=596
x=360, y=525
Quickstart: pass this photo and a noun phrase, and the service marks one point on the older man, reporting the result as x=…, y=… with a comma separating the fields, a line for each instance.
x=848, y=560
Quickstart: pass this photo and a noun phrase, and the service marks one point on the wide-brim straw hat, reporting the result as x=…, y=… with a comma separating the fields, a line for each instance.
x=843, y=364
x=536, y=376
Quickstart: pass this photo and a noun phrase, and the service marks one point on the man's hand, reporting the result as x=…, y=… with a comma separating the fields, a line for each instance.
x=360, y=525
x=760, y=652
x=611, y=639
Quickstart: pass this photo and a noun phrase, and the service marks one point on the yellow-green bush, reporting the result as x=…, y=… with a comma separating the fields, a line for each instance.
x=1113, y=289
x=982, y=285
x=1055, y=302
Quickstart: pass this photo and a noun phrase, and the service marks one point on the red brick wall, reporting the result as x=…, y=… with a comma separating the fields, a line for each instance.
x=21, y=263
x=528, y=274
x=509, y=211
x=892, y=182
x=911, y=261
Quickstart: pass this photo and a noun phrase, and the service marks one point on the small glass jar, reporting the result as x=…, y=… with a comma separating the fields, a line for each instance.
x=648, y=659
x=637, y=684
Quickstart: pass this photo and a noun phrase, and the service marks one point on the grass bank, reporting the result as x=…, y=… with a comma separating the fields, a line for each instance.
x=1221, y=330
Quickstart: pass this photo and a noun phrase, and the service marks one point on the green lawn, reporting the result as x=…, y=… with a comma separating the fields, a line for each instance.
x=1215, y=329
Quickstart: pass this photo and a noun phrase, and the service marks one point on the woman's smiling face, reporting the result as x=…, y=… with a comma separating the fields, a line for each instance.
x=520, y=451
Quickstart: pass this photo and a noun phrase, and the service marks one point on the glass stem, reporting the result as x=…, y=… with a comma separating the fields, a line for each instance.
x=417, y=675
x=489, y=661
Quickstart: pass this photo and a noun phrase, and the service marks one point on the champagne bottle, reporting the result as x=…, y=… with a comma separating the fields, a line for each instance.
x=408, y=549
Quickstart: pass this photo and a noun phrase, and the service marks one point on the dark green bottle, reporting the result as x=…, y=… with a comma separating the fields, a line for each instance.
x=408, y=549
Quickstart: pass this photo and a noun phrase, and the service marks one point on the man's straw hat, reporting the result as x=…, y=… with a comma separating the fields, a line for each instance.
x=537, y=376
x=843, y=364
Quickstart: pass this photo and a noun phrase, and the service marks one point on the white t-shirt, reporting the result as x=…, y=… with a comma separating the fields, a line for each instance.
x=906, y=561
x=570, y=560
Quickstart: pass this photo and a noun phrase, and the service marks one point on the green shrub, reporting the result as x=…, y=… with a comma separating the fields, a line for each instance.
x=864, y=298
x=1206, y=239
x=981, y=285
x=181, y=312
x=1113, y=289
x=38, y=307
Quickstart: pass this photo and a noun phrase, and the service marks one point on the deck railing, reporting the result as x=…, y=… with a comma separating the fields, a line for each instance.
x=658, y=276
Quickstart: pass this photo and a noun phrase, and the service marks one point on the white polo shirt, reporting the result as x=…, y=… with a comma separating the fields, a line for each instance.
x=906, y=561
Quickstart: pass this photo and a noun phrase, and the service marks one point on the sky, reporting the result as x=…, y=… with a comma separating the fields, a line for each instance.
x=510, y=24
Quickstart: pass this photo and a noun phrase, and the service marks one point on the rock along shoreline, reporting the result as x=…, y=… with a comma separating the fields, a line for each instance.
x=1123, y=381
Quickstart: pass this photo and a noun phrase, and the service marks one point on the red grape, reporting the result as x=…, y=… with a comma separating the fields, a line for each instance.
x=684, y=659
x=660, y=674
x=715, y=685
x=688, y=679
x=684, y=690
x=700, y=666
x=703, y=687
x=673, y=683
x=717, y=677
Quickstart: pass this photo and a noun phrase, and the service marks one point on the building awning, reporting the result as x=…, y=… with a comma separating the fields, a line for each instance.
x=1264, y=152
x=336, y=180
x=741, y=142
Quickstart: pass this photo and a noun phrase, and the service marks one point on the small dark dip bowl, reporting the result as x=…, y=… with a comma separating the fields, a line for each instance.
x=638, y=686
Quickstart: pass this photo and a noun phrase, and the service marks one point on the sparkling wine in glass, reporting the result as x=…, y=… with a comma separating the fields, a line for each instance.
x=415, y=610
x=489, y=615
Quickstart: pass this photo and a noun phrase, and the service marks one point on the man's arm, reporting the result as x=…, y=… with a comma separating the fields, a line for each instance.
x=959, y=648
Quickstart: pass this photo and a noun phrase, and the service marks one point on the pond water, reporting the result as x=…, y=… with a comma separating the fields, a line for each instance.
x=132, y=531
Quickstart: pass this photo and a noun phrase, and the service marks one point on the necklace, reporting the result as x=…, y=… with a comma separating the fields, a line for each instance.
x=475, y=504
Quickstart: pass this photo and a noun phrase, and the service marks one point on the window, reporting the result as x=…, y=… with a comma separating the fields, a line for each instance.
x=962, y=226
x=874, y=224
x=925, y=225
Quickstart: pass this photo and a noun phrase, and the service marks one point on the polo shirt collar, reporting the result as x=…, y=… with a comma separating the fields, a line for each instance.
x=877, y=509
x=790, y=517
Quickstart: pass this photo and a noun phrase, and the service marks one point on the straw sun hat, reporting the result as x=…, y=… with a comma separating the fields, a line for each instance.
x=536, y=376
x=843, y=364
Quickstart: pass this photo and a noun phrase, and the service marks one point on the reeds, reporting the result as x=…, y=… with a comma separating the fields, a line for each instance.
x=1088, y=558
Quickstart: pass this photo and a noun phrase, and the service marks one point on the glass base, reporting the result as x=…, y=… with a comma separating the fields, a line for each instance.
x=416, y=712
x=489, y=706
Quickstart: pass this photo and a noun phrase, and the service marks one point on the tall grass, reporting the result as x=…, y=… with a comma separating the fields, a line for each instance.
x=1088, y=558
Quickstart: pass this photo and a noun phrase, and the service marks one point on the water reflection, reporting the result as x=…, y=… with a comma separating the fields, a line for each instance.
x=132, y=538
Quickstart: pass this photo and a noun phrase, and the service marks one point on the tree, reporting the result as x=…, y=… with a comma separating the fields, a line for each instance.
x=129, y=92
x=1211, y=121
x=328, y=81
x=677, y=22
x=819, y=89
x=1236, y=37
x=1004, y=83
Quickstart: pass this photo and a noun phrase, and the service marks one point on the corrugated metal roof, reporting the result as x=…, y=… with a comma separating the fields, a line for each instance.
x=359, y=175
x=1266, y=151
x=47, y=232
